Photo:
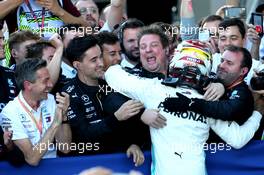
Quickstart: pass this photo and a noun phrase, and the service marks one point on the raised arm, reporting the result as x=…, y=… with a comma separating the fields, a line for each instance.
x=115, y=14
x=253, y=37
x=228, y=110
x=187, y=9
x=130, y=85
x=57, y=10
x=55, y=63
x=188, y=25
x=7, y=6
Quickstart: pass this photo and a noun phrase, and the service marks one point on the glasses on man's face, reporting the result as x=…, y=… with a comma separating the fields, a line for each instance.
x=91, y=10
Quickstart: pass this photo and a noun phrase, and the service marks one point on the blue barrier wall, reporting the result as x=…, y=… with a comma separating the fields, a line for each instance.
x=246, y=161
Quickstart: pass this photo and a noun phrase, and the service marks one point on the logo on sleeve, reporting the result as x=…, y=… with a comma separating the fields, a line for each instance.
x=48, y=119
x=70, y=88
x=10, y=83
x=234, y=95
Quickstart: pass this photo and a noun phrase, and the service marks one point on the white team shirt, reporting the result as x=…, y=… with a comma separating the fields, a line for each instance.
x=68, y=71
x=15, y=116
x=255, y=65
x=178, y=147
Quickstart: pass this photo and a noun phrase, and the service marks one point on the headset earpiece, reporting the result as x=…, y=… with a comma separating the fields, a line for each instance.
x=121, y=34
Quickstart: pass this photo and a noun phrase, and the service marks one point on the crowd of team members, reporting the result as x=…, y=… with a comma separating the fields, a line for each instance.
x=86, y=116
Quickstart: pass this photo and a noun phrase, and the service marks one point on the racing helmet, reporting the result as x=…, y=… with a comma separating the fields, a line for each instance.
x=192, y=53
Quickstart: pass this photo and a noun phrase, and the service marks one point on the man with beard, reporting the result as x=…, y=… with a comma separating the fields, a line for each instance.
x=235, y=64
x=175, y=146
x=90, y=13
x=129, y=42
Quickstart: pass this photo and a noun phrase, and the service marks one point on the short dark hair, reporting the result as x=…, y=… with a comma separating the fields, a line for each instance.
x=106, y=38
x=155, y=30
x=247, y=58
x=131, y=23
x=35, y=50
x=26, y=71
x=78, y=46
x=234, y=22
x=211, y=18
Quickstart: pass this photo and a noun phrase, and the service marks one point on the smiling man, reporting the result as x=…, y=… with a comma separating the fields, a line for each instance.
x=129, y=42
x=90, y=125
x=89, y=12
x=36, y=120
x=111, y=49
x=154, y=49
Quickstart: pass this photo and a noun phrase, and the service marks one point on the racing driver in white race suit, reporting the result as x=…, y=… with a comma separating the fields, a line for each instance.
x=177, y=149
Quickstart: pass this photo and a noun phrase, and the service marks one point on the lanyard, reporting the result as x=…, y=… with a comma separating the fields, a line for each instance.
x=35, y=17
x=38, y=124
x=235, y=83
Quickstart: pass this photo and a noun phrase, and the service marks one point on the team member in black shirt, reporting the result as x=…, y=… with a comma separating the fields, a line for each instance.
x=88, y=121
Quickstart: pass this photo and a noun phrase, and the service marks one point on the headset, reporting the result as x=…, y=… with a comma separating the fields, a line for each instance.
x=130, y=23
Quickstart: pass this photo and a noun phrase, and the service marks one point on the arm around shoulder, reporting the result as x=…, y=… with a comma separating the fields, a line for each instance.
x=235, y=135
